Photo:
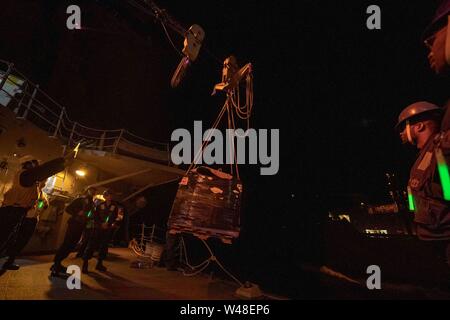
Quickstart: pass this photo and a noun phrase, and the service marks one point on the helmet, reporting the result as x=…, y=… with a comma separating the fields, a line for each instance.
x=35, y=163
x=27, y=165
x=416, y=109
x=439, y=18
x=89, y=189
x=26, y=158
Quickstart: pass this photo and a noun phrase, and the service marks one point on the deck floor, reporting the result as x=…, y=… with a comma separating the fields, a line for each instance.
x=32, y=282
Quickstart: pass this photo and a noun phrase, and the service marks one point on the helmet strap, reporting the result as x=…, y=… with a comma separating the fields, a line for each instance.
x=447, y=43
x=408, y=133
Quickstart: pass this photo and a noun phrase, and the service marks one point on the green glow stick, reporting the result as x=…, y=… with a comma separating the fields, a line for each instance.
x=107, y=220
x=40, y=204
x=89, y=214
x=443, y=174
x=411, y=202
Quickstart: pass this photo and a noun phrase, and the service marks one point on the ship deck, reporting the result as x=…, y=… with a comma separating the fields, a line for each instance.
x=120, y=282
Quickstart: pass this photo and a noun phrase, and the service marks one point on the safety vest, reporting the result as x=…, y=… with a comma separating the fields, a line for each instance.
x=105, y=213
x=36, y=210
x=432, y=212
x=19, y=196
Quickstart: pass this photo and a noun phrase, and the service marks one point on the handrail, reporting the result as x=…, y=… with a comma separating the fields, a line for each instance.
x=99, y=130
x=143, y=139
x=56, y=118
x=33, y=111
x=42, y=117
x=40, y=90
x=26, y=94
x=136, y=144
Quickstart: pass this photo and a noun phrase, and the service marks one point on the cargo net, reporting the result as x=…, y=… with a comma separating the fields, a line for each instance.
x=207, y=204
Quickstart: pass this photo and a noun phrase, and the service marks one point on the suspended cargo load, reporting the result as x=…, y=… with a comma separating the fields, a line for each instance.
x=207, y=205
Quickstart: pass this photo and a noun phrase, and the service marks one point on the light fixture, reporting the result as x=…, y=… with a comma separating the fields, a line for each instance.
x=80, y=172
x=99, y=197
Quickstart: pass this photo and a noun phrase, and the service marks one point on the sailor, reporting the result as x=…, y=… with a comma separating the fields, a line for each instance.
x=420, y=125
x=81, y=214
x=23, y=195
x=106, y=220
x=437, y=39
x=87, y=233
x=27, y=227
x=427, y=126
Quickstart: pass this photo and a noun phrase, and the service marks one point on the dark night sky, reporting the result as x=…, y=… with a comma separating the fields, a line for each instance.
x=332, y=87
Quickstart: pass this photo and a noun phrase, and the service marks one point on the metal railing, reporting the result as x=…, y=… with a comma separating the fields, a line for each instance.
x=30, y=102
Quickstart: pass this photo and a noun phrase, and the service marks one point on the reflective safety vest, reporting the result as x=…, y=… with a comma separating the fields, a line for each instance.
x=37, y=209
x=432, y=212
x=19, y=196
x=105, y=213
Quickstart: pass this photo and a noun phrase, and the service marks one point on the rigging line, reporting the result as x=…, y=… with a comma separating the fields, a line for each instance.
x=150, y=12
x=183, y=247
x=216, y=123
x=234, y=148
x=239, y=97
x=208, y=138
x=207, y=262
x=237, y=105
x=246, y=108
x=249, y=91
x=200, y=151
x=240, y=112
x=214, y=258
x=146, y=10
x=212, y=55
x=231, y=147
x=170, y=39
